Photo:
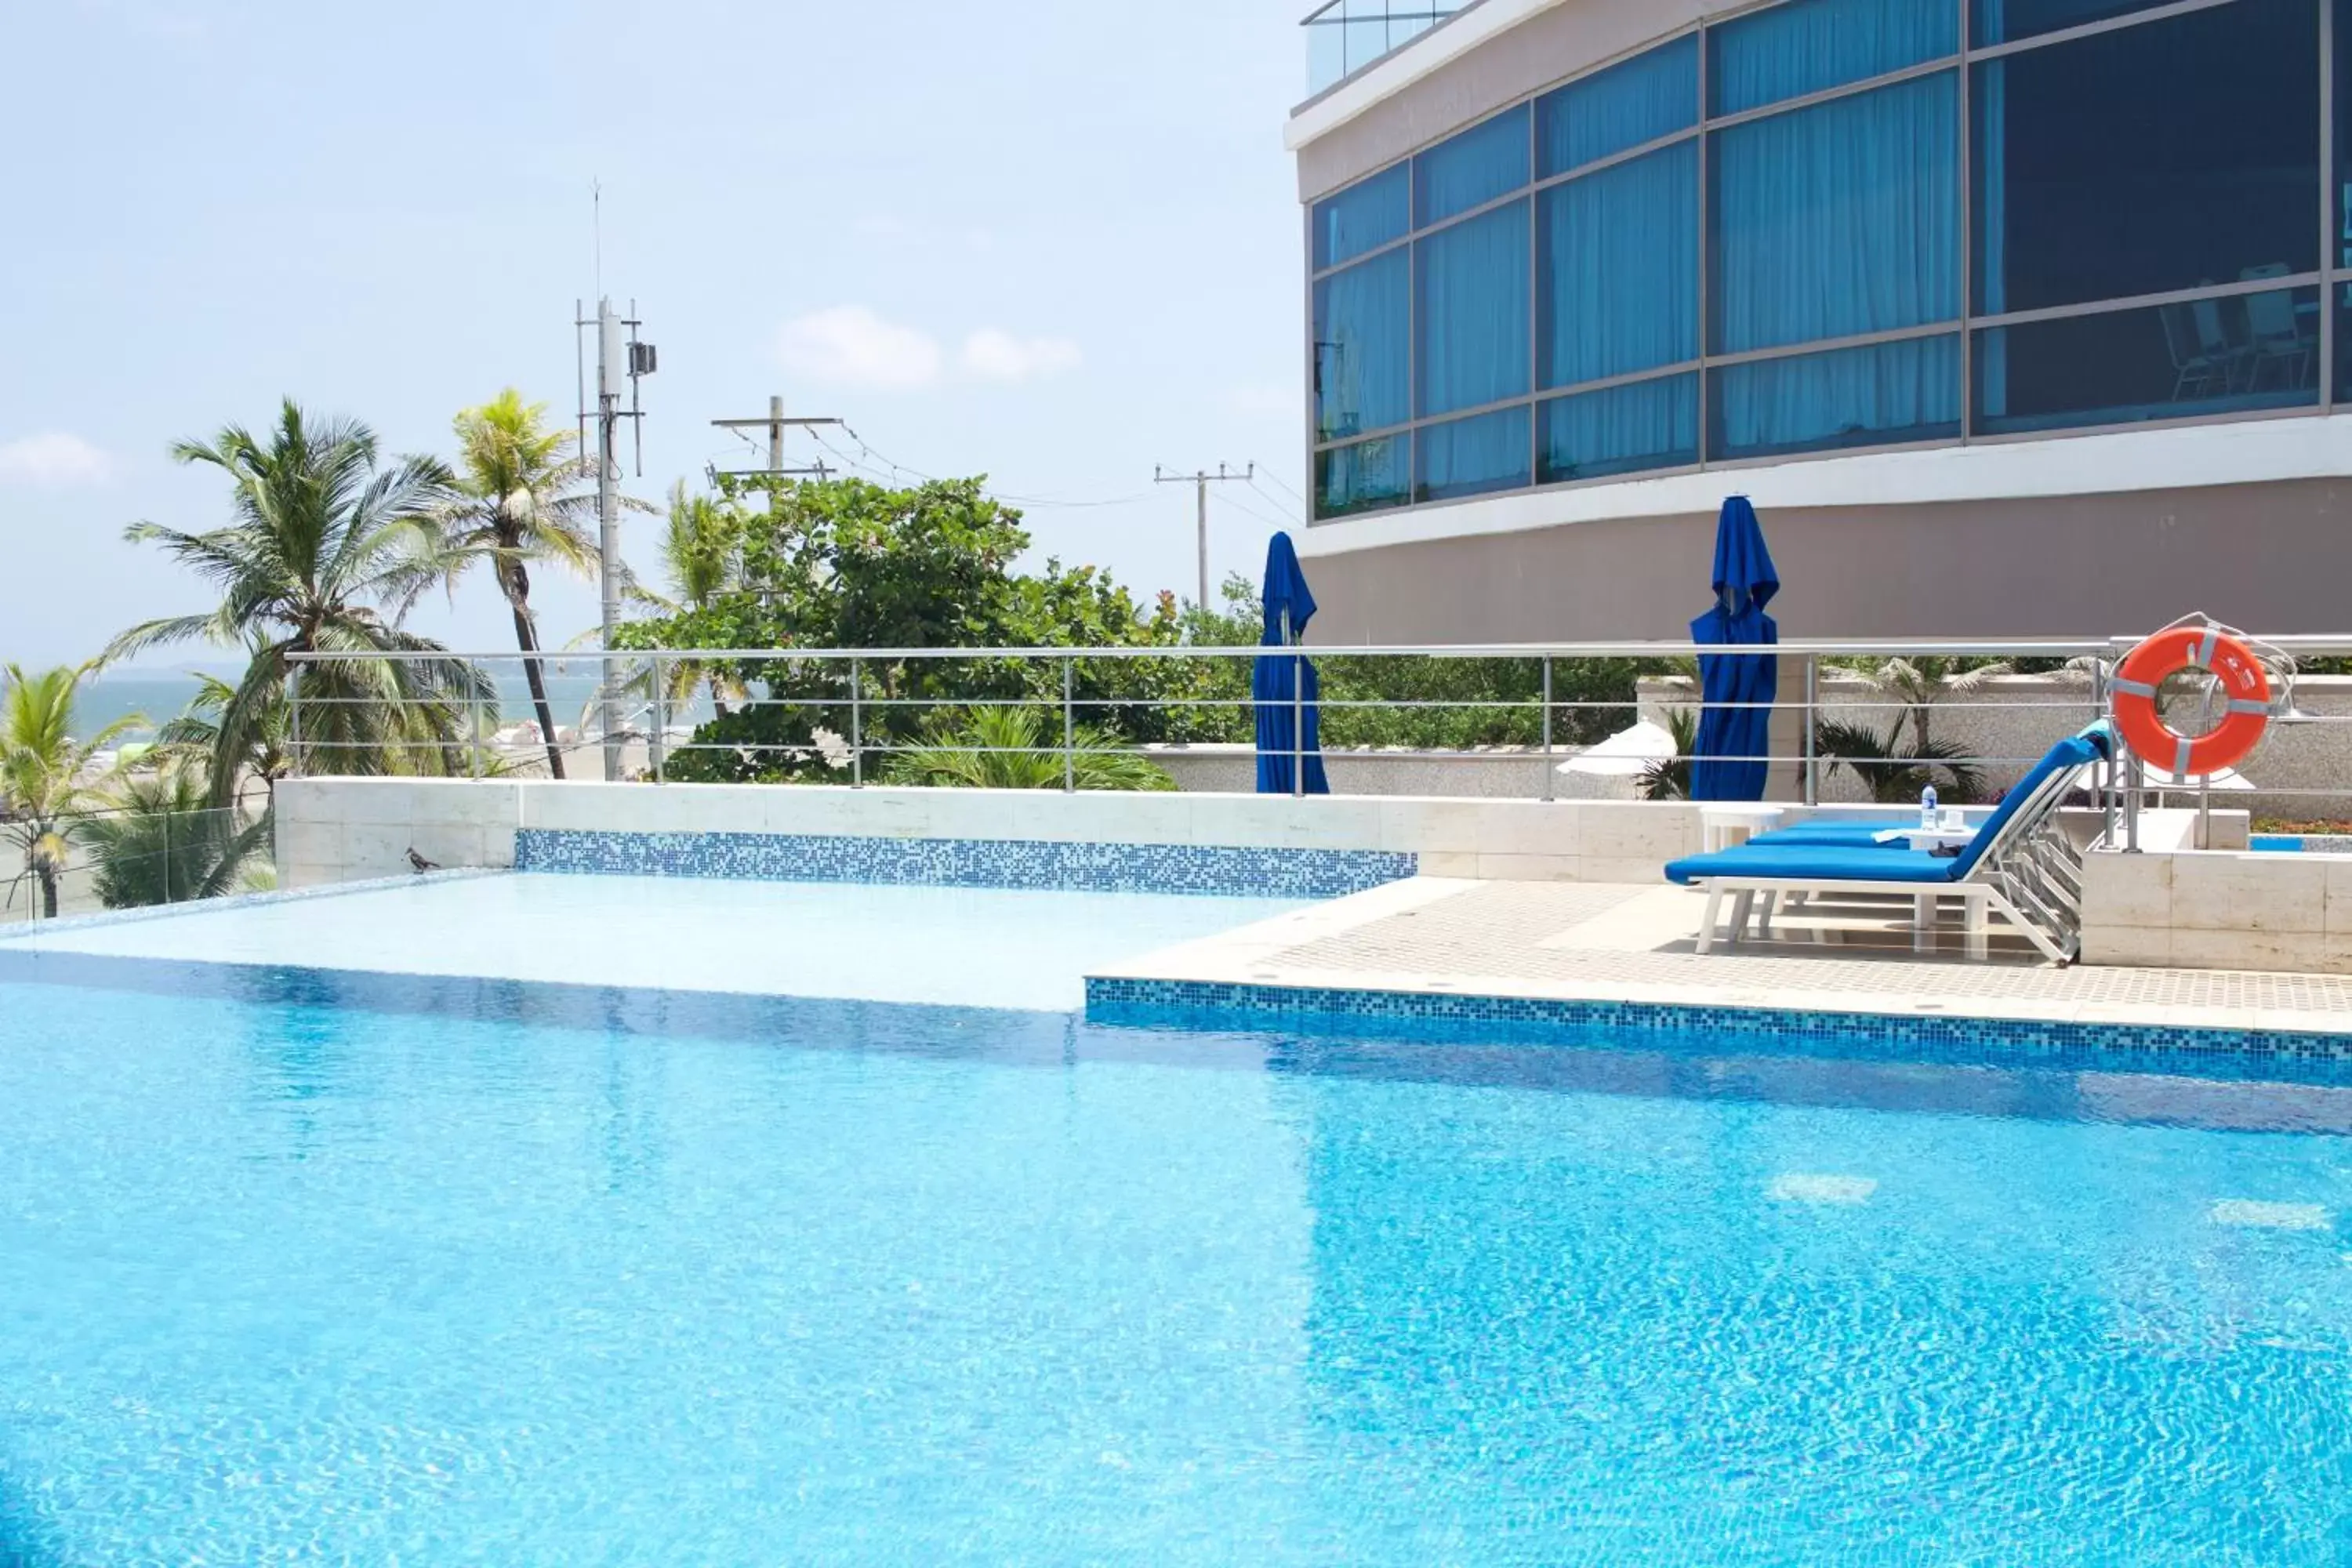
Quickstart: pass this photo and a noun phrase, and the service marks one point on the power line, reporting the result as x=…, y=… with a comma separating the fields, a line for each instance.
x=1277, y=479
x=1200, y=483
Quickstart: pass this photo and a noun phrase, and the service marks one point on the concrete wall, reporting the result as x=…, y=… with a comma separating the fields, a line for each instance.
x=2218, y=910
x=333, y=830
x=2267, y=556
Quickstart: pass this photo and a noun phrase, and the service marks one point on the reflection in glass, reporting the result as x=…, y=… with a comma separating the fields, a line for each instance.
x=1470, y=311
x=2004, y=21
x=1363, y=347
x=2234, y=354
x=1810, y=45
x=1647, y=97
x=1471, y=457
x=1364, y=478
x=1908, y=391
x=1619, y=268
x=1621, y=430
x=1365, y=217
x=2168, y=155
x=1838, y=220
x=1484, y=162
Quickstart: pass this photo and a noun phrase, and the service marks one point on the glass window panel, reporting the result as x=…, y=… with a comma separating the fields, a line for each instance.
x=2208, y=356
x=2344, y=342
x=1618, y=269
x=1809, y=45
x=1621, y=430
x=1365, y=477
x=2152, y=158
x=2005, y=21
x=1363, y=364
x=1483, y=162
x=1885, y=393
x=1470, y=311
x=2342, y=243
x=1839, y=219
x=1472, y=456
x=1365, y=217
x=1647, y=97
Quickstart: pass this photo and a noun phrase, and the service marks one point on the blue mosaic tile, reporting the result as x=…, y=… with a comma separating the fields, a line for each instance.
x=1195, y=1005
x=1196, y=870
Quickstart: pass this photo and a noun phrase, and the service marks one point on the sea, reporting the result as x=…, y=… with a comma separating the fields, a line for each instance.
x=155, y=698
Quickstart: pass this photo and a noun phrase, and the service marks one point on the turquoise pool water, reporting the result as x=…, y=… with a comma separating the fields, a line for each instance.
x=286, y=1279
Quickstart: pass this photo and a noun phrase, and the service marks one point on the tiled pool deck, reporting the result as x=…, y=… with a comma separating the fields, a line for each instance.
x=1569, y=942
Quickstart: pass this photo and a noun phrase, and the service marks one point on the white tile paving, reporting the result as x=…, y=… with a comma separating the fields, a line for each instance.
x=1587, y=941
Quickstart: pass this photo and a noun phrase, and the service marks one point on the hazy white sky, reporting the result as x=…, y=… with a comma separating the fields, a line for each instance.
x=1056, y=241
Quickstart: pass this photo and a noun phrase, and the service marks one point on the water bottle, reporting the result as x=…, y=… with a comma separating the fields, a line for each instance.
x=1928, y=809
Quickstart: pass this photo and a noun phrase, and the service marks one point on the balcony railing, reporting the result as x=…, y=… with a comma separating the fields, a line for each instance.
x=1346, y=35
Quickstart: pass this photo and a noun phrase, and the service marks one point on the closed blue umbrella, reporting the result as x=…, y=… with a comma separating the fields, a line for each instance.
x=1278, y=682
x=1735, y=727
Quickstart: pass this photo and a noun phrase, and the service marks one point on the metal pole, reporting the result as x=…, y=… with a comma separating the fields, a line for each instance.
x=1200, y=491
x=474, y=739
x=1549, y=792
x=856, y=724
x=660, y=744
x=1813, y=731
x=167, y=857
x=608, y=521
x=776, y=437
x=294, y=722
x=1070, y=728
x=2139, y=781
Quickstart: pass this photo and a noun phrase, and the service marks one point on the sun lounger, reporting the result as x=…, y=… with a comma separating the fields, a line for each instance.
x=2007, y=870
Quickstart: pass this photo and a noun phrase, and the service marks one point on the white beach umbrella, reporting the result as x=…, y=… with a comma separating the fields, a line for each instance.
x=1625, y=754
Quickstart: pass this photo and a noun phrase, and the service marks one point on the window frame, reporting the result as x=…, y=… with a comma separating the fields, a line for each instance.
x=2332, y=279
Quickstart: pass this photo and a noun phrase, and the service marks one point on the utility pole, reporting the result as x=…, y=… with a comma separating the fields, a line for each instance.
x=775, y=425
x=619, y=357
x=1200, y=483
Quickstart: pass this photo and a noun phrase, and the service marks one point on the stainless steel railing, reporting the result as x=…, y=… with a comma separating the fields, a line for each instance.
x=1346, y=35
x=856, y=715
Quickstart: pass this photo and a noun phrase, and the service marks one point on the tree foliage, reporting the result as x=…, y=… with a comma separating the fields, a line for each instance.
x=50, y=781
x=327, y=548
x=844, y=564
x=160, y=842
x=998, y=746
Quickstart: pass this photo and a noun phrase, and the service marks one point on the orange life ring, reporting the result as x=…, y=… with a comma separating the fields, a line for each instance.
x=2166, y=655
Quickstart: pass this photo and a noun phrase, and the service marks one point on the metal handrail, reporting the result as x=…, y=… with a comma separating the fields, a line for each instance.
x=651, y=722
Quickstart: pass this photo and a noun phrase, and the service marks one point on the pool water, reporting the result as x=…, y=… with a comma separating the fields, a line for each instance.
x=863, y=1283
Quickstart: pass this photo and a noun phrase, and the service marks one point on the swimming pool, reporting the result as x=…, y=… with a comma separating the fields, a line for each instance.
x=820, y=1279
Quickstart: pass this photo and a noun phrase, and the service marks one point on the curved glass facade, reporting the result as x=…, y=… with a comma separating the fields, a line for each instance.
x=1838, y=224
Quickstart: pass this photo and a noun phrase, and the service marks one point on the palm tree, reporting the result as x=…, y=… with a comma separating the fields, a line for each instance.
x=1891, y=772
x=525, y=494
x=327, y=552
x=1920, y=680
x=702, y=557
x=1669, y=777
x=49, y=782
x=193, y=740
x=1001, y=747
x=163, y=843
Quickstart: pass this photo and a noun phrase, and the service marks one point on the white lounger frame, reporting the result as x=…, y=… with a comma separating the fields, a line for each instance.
x=2031, y=877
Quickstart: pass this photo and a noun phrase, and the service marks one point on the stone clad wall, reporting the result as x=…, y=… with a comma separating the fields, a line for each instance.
x=2218, y=910
x=332, y=830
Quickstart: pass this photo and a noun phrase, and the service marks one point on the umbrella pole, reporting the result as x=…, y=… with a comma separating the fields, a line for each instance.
x=1548, y=782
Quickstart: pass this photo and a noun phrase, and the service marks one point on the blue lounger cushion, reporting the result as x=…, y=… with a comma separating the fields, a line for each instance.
x=1837, y=835
x=1786, y=862
x=1817, y=863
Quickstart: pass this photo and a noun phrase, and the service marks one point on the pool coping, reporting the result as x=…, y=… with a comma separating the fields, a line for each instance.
x=99, y=920
x=1243, y=979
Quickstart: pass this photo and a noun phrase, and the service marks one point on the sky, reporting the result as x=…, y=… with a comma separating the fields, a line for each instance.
x=1056, y=243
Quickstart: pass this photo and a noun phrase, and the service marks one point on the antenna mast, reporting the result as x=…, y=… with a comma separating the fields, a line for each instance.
x=620, y=356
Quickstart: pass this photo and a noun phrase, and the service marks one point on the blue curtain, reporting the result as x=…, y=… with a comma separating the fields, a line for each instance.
x=1487, y=161
x=1622, y=429
x=1620, y=269
x=1808, y=45
x=1839, y=219
x=1363, y=347
x=1470, y=457
x=2002, y=21
x=1364, y=477
x=1647, y=97
x=1470, y=311
x=1905, y=391
x=1365, y=217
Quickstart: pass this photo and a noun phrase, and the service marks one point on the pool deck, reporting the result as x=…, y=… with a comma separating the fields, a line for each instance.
x=1620, y=942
